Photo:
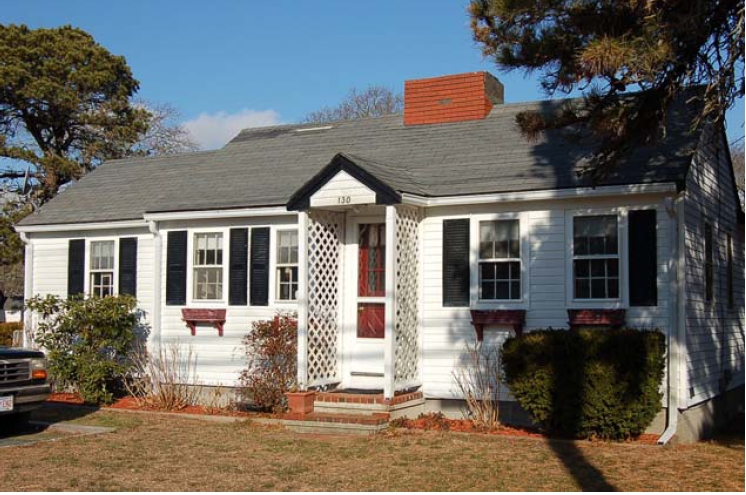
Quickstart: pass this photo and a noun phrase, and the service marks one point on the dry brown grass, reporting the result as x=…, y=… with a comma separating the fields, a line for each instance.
x=158, y=453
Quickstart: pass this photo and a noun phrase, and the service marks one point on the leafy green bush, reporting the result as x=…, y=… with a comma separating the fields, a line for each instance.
x=272, y=351
x=87, y=341
x=590, y=383
x=6, y=332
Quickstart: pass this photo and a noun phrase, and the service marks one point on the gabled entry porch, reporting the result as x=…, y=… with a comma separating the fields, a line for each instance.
x=359, y=280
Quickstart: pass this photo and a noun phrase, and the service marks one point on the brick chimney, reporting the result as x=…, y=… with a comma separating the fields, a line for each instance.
x=453, y=98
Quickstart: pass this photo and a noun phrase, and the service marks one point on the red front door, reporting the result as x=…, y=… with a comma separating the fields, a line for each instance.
x=371, y=281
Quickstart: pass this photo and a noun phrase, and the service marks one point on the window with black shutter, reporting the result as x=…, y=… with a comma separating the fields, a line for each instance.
x=128, y=266
x=643, y=258
x=456, y=273
x=259, y=292
x=75, y=267
x=176, y=268
x=238, y=270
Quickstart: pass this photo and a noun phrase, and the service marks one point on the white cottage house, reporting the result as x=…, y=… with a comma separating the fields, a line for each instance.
x=400, y=239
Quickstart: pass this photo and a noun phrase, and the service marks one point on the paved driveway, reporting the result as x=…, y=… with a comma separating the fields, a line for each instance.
x=36, y=432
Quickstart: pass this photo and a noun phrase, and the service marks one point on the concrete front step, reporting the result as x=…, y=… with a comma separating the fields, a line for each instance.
x=410, y=404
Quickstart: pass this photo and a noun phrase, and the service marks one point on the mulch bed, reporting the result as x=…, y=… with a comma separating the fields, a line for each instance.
x=132, y=403
x=426, y=422
x=438, y=422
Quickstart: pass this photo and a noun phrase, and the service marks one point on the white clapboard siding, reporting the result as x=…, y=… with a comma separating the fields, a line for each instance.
x=714, y=333
x=220, y=360
x=447, y=331
x=50, y=264
x=343, y=189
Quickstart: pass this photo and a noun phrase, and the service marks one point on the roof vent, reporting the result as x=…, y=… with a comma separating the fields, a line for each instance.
x=454, y=98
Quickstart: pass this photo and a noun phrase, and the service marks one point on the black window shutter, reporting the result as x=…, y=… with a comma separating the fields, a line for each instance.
x=456, y=262
x=643, y=258
x=176, y=268
x=75, y=267
x=128, y=266
x=260, y=266
x=238, y=271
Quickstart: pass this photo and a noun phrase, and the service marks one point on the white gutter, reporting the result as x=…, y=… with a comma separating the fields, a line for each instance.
x=677, y=328
x=578, y=192
x=28, y=286
x=160, y=217
x=211, y=214
x=63, y=227
x=157, y=258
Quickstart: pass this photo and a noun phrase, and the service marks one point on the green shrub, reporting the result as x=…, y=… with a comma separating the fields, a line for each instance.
x=87, y=342
x=6, y=332
x=588, y=383
x=272, y=352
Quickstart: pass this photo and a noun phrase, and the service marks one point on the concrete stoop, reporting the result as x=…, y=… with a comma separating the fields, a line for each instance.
x=409, y=405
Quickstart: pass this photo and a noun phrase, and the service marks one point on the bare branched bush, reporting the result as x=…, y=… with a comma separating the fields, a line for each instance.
x=272, y=354
x=479, y=382
x=166, y=379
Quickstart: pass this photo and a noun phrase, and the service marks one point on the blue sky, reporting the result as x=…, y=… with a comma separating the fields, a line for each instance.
x=232, y=64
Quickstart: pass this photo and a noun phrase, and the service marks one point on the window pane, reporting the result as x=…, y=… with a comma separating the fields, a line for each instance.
x=582, y=288
x=488, y=290
x=582, y=268
x=515, y=270
x=595, y=235
x=502, y=290
x=102, y=255
x=515, y=290
x=514, y=249
x=613, y=288
x=598, y=268
x=487, y=240
x=502, y=271
x=208, y=283
x=598, y=288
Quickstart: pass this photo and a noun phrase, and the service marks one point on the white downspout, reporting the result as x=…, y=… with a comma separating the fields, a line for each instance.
x=677, y=283
x=157, y=266
x=28, y=287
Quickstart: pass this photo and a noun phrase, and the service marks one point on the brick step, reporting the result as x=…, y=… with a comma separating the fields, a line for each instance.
x=411, y=404
x=357, y=419
x=342, y=397
x=323, y=423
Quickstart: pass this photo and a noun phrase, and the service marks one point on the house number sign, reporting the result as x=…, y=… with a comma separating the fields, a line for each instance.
x=344, y=200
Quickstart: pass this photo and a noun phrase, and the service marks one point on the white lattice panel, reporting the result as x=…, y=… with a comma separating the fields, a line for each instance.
x=325, y=230
x=407, y=294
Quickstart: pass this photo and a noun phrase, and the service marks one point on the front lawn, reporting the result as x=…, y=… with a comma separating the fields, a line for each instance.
x=149, y=452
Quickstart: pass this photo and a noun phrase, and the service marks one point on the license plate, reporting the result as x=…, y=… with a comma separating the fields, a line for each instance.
x=6, y=403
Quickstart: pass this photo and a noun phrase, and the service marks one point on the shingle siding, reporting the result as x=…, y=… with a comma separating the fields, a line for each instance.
x=714, y=333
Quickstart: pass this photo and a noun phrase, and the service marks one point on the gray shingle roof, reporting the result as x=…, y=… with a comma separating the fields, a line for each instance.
x=263, y=167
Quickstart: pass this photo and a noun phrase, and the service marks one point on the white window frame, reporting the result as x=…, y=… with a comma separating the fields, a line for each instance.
x=616, y=303
x=275, y=246
x=523, y=229
x=190, y=265
x=115, y=279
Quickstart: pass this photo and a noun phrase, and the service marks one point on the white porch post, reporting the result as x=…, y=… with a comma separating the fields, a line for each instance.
x=302, y=300
x=389, y=341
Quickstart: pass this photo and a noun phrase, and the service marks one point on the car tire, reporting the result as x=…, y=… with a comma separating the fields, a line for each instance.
x=20, y=420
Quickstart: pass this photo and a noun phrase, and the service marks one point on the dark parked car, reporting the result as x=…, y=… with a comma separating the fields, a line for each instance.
x=23, y=383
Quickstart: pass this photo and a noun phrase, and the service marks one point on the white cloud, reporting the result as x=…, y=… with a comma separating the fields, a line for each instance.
x=213, y=130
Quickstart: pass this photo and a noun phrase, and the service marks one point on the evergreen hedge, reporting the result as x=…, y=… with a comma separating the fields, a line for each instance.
x=588, y=383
